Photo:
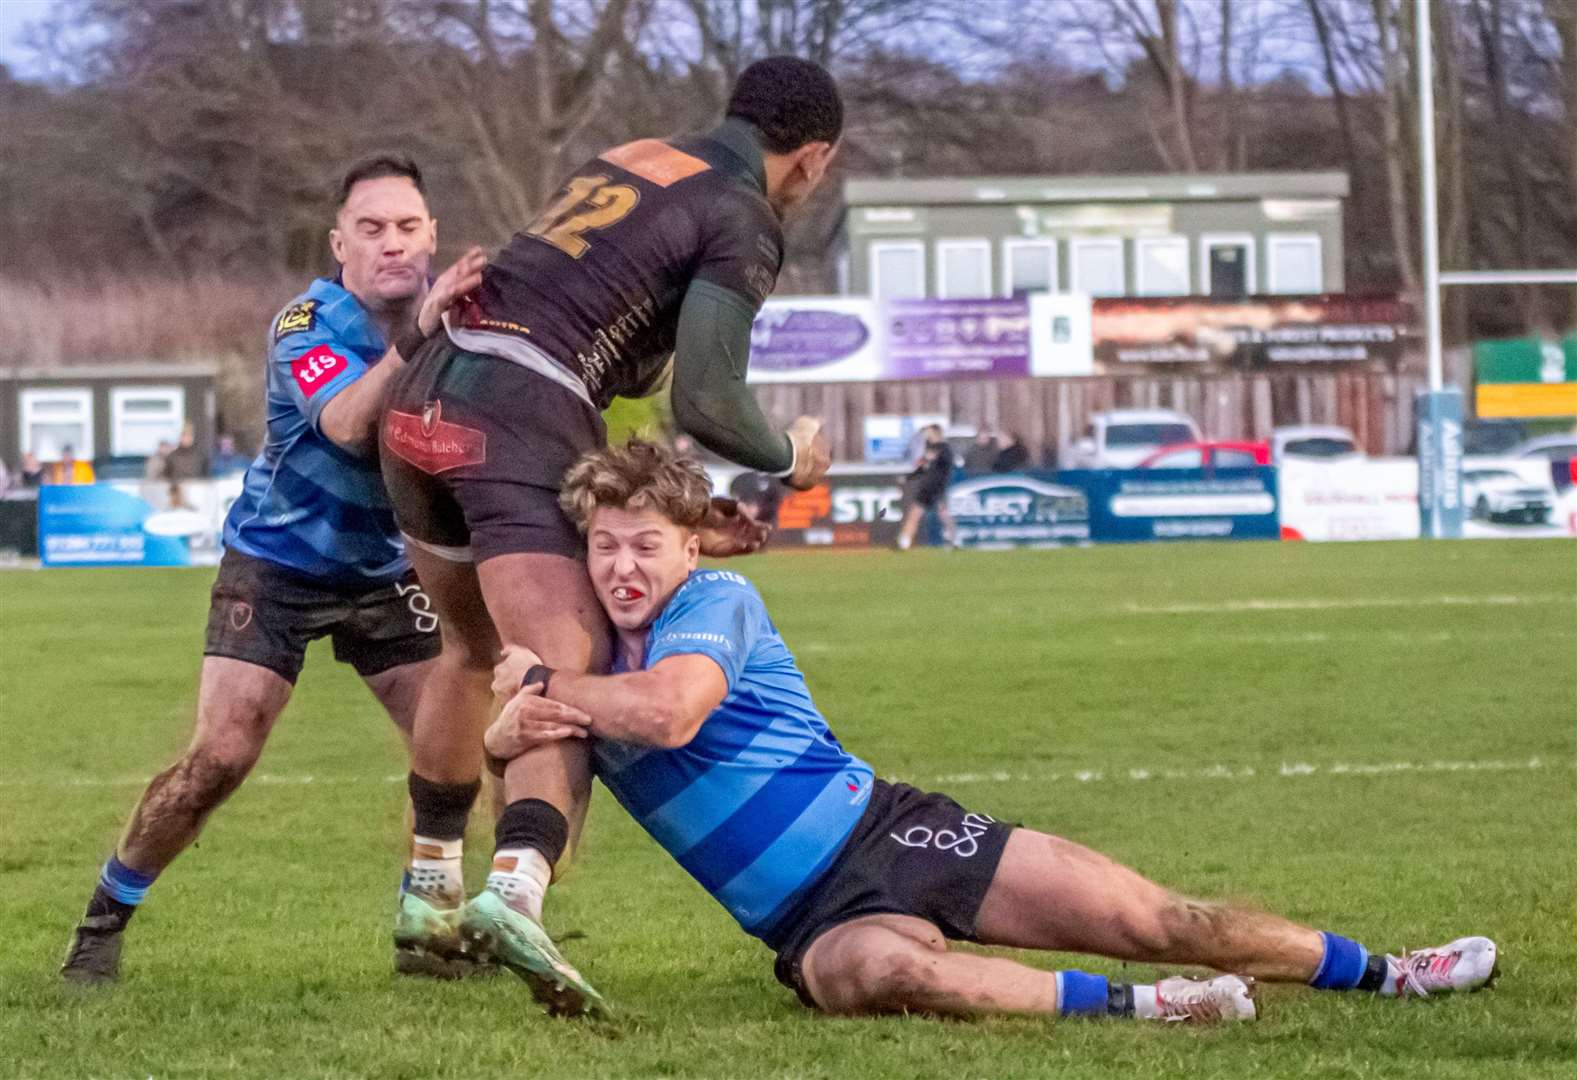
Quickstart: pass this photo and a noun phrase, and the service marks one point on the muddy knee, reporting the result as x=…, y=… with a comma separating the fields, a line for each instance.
x=892, y=980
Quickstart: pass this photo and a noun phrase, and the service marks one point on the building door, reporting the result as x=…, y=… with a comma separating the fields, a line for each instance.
x=1228, y=269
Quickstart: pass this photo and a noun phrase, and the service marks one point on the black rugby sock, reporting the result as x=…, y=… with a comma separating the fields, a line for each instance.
x=441, y=809
x=535, y=824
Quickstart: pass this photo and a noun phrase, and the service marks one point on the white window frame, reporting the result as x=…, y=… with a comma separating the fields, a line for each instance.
x=32, y=397
x=1014, y=243
x=978, y=245
x=874, y=261
x=1142, y=287
x=1089, y=243
x=1208, y=241
x=119, y=395
x=1284, y=239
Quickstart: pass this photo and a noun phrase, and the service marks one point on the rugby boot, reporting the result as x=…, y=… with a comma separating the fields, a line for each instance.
x=1204, y=1001
x=94, y=956
x=1464, y=965
x=427, y=929
x=496, y=932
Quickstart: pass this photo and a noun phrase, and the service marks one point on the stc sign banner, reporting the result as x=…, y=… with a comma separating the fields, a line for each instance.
x=848, y=510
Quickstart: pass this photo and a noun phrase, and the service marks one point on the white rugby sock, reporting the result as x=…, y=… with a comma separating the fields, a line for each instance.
x=1144, y=1004
x=435, y=867
x=520, y=876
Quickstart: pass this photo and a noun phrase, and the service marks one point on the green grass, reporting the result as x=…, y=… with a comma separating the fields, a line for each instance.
x=999, y=677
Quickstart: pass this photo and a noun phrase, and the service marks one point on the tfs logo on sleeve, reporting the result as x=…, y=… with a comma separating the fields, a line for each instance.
x=316, y=367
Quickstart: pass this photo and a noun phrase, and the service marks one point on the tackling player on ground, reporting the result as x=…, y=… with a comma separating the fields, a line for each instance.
x=656, y=253
x=707, y=735
x=311, y=548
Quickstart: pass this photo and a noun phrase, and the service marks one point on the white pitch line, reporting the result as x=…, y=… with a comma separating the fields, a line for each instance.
x=1285, y=770
x=1230, y=606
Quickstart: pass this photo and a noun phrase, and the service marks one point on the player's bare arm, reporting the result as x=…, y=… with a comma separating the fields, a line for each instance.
x=350, y=420
x=663, y=706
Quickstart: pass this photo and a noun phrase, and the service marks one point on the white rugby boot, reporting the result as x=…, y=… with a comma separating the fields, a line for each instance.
x=1200, y=1001
x=1460, y=966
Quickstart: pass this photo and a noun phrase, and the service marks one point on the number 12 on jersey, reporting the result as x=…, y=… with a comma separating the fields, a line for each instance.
x=588, y=202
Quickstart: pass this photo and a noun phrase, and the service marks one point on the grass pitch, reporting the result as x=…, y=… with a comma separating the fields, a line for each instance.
x=1376, y=739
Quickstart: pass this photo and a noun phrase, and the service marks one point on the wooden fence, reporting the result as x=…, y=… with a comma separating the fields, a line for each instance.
x=1049, y=414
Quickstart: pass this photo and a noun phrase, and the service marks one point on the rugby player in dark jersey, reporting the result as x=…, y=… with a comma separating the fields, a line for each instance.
x=651, y=261
x=311, y=547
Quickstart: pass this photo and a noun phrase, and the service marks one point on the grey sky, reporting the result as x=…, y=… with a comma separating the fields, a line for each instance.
x=15, y=15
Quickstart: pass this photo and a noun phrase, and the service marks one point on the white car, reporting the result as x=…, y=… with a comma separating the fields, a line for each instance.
x=1122, y=438
x=1500, y=495
x=1322, y=441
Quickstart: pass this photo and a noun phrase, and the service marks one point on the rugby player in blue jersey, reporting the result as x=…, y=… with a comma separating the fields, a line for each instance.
x=707, y=735
x=311, y=547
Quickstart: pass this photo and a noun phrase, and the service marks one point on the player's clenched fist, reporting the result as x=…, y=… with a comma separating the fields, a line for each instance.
x=812, y=456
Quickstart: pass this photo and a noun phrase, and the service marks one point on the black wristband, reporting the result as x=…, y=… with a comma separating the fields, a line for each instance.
x=538, y=673
x=407, y=341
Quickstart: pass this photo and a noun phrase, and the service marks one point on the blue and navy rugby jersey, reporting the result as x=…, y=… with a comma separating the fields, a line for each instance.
x=306, y=504
x=756, y=806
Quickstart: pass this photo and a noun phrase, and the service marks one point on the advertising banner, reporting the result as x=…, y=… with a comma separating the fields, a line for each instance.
x=1502, y=498
x=134, y=524
x=889, y=437
x=847, y=509
x=1526, y=377
x=1260, y=331
x=1017, y=510
x=1440, y=462
x=1178, y=504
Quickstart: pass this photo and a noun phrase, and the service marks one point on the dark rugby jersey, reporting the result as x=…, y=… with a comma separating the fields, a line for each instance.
x=595, y=282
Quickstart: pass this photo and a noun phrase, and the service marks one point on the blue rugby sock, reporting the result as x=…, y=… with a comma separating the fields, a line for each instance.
x=1082, y=994
x=120, y=890
x=1343, y=966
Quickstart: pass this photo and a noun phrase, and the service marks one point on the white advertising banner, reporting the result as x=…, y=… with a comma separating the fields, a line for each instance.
x=1377, y=499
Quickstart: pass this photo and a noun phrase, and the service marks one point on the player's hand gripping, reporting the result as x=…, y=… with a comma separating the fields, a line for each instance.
x=812, y=456
x=527, y=719
x=728, y=530
x=464, y=275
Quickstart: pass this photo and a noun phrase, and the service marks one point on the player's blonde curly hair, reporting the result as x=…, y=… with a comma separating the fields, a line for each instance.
x=639, y=475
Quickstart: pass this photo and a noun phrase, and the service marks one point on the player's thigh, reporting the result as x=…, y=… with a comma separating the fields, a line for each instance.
x=1051, y=893
x=237, y=704
x=454, y=591
x=398, y=690
x=546, y=603
x=856, y=964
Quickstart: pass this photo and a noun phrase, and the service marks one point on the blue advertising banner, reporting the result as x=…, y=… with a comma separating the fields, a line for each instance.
x=1178, y=504
x=1017, y=510
x=102, y=525
x=1440, y=463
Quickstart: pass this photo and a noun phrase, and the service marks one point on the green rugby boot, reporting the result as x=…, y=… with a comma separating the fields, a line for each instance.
x=427, y=935
x=495, y=931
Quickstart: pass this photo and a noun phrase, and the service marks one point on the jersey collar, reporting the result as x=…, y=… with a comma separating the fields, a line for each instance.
x=740, y=138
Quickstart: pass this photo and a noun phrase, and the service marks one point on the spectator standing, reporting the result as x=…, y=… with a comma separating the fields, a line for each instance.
x=68, y=470
x=186, y=461
x=982, y=454
x=926, y=488
x=157, y=467
x=31, y=474
x=227, y=459
x=1014, y=456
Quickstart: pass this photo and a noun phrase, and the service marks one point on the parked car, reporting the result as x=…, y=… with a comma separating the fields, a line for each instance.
x=1321, y=441
x=1559, y=450
x=1219, y=454
x=1502, y=495
x=1122, y=438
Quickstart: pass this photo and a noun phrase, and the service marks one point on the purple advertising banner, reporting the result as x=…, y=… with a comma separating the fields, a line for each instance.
x=950, y=339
